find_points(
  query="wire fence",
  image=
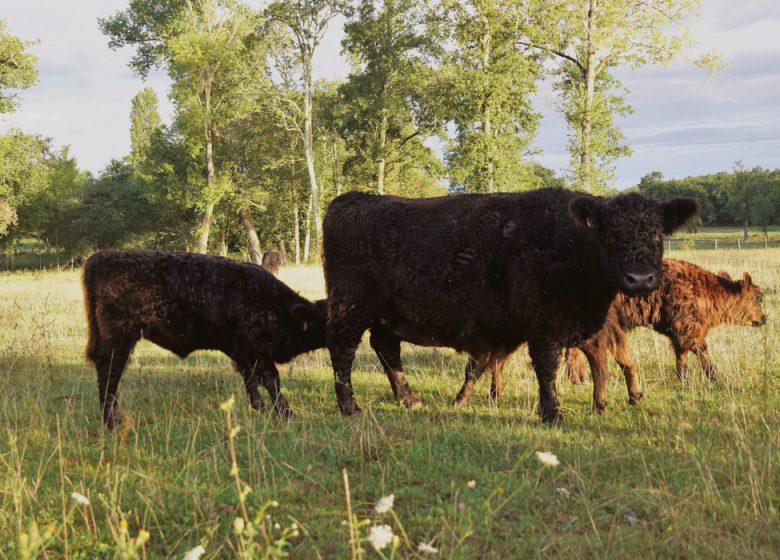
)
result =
(729, 244)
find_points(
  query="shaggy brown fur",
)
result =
(485, 273)
(185, 302)
(689, 302)
(272, 260)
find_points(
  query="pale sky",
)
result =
(681, 125)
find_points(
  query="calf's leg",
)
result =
(272, 384)
(576, 365)
(388, 350)
(110, 358)
(251, 376)
(497, 362)
(704, 360)
(475, 367)
(596, 354)
(621, 351)
(545, 356)
(681, 365)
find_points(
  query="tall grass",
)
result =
(692, 473)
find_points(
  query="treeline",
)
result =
(743, 197)
(256, 149)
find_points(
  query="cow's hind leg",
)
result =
(110, 358)
(545, 356)
(681, 359)
(704, 360)
(388, 350)
(272, 384)
(251, 375)
(475, 367)
(497, 362)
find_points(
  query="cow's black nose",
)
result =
(639, 281)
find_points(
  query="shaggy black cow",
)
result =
(485, 273)
(185, 302)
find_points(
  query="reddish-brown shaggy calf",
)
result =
(688, 303)
(185, 302)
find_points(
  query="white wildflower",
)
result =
(277, 526)
(385, 504)
(471, 484)
(80, 499)
(195, 553)
(425, 548)
(547, 458)
(563, 492)
(274, 504)
(380, 536)
(238, 525)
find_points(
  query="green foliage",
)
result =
(144, 123)
(486, 86)
(17, 68)
(23, 173)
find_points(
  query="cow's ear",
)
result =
(583, 210)
(746, 279)
(304, 315)
(679, 212)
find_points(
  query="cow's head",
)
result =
(310, 319)
(744, 308)
(630, 229)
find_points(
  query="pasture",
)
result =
(693, 472)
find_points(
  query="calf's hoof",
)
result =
(285, 414)
(599, 407)
(636, 398)
(112, 419)
(460, 400)
(412, 402)
(350, 409)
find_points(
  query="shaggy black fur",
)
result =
(485, 273)
(185, 302)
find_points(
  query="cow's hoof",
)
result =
(553, 418)
(636, 398)
(599, 407)
(459, 401)
(285, 414)
(112, 420)
(412, 403)
(351, 410)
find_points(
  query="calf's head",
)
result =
(309, 319)
(746, 303)
(629, 229)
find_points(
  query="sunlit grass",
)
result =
(692, 473)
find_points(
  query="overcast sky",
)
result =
(681, 125)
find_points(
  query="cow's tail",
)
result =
(89, 286)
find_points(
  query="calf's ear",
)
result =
(679, 212)
(583, 210)
(304, 315)
(746, 279)
(724, 274)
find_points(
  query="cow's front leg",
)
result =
(344, 330)
(388, 350)
(110, 361)
(545, 356)
(704, 360)
(251, 376)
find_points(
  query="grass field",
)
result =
(694, 472)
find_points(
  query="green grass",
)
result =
(694, 472)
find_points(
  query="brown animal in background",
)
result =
(689, 302)
(185, 302)
(272, 260)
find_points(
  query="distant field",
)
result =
(694, 472)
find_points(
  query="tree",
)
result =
(144, 123)
(23, 173)
(206, 48)
(590, 38)
(17, 68)
(487, 84)
(388, 93)
(307, 21)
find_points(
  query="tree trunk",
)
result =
(307, 242)
(223, 246)
(205, 223)
(295, 210)
(336, 176)
(586, 171)
(283, 250)
(745, 230)
(382, 158)
(487, 131)
(308, 144)
(255, 252)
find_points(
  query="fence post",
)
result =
(670, 246)
(716, 244)
(739, 245)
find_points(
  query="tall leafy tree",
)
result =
(145, 121)
(204, 46)
(389, 94)
(488, 80)
(17, 68)
(23, 173)
(306, 21)
(591, 38)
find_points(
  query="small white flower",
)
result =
(277, 526)
(294, 526)
(385, 504)
(425, 548)
(563, 492)
(195, 553)
(274, 504)
(380, 536)
(80, 499)
(471, 484)
(238, 525)
(547, 458)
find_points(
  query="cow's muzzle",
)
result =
(639, 282)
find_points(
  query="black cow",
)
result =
(185, 302)
(485, 273)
